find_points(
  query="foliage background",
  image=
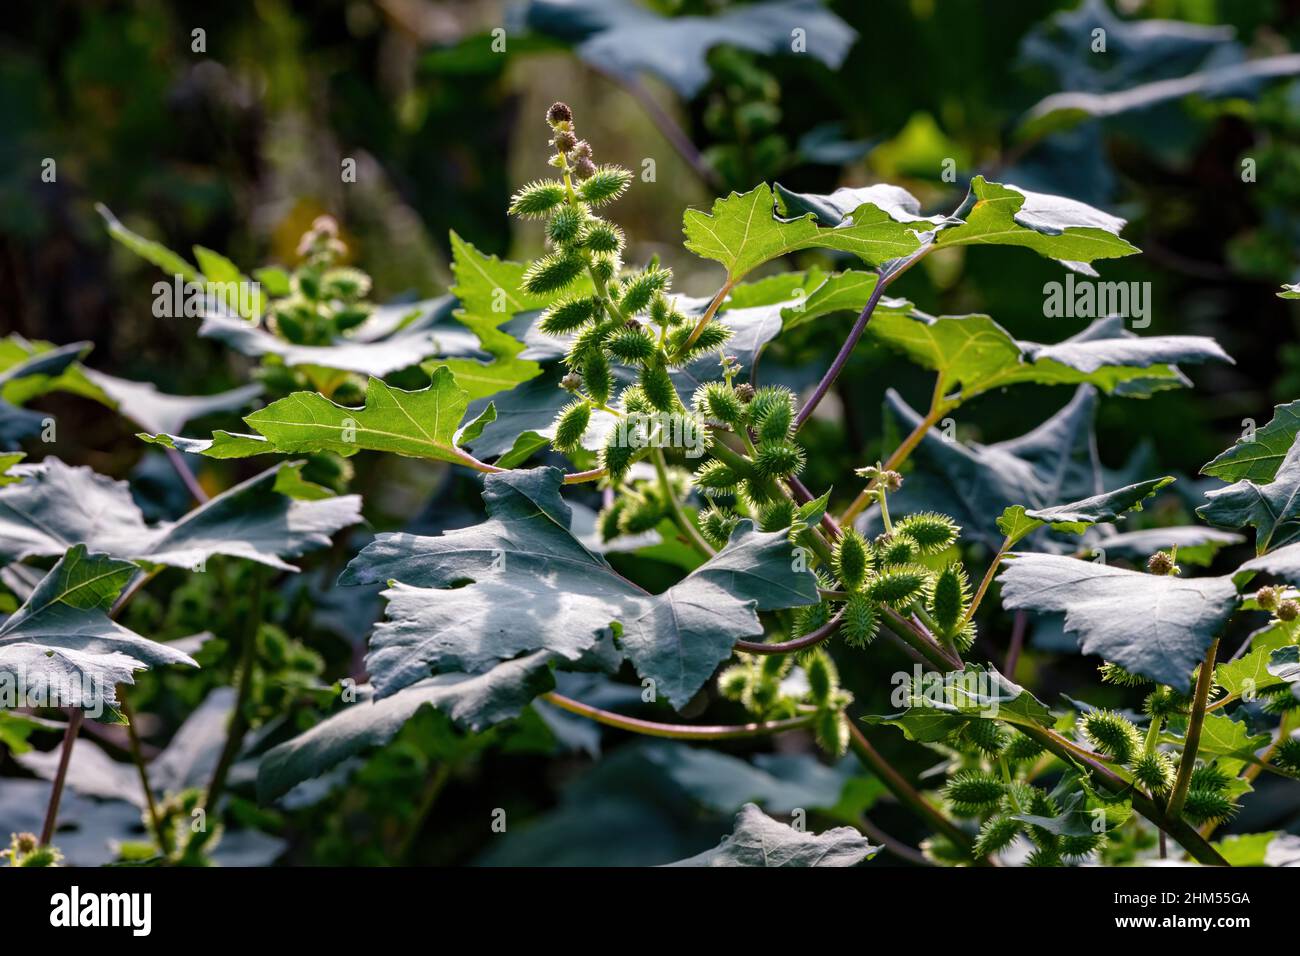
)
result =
(239, 149)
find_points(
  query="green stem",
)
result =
(133, 738)
(650, 728)
(986, 580)
(238, 720)
(437, 781)
(75, 717)
(680, 518)
(1187, 763)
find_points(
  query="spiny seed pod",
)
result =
(810, 617)
(898, 584)
(768, 400)
(1041, 803)
(632, 346)
(950, 599)
(851, 559)
(598, 378)
(569, 314)
(712, 338)
(971, 792)
(565, 226)
(571, 425)
(733, 683)
(987, 736)
(1162, 562)
(717, 400)
(776, 515)
(1288, 610)
(895, 549)
(1268, 598)
(1077, 846)
(715, 477)
(1287, 755)
(777, 459)
(1021, 749)
(633, 401)
(590, 339)
(1278, 700)
(931, 532)
(1209, 777)
(559, 113)
(657, 385)
(603, 184)
(964, 639)
(603, 237)
(1043, 857)
(616, 457)
(996, 835)
(861, 621)
(607, 520)
(822, 676)
(641, 515)
(1112, 734)
(552, 273)
(1208, 806)
(537, 199)
(1114, 674)
(716, 524)
(758, 490)
(1164, 703)
(638, 290)
(605, 266)
(831, 729)
(1155, 771)
(776, 424)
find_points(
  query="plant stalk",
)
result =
(75, 717)
(1192, 741)
(650, 728)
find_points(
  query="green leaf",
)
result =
(222, 444)
(1271, 508)
(418, 424)
(157, 411)
(1077, 516)
(1158, 626)
(57, 506)
(1053, 226)
(1245, 849)
(471, 703)
(63, 633)
(152, 252)
(1223, 737)
(1290, 291)
(975, 354)
(758, 840)
(1259, 457)
(1250, 673)
(29, 369)
(742, 233)
(534, 586)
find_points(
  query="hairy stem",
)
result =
(811, 639)
(708, 315)
(1187, 763)
(650, 728)
(680, 518)
(133, 737)
(986, 581)
(855, 333)
(238, 726)
(75, 717)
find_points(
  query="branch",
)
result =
(860, 326)
(1187, 763)
(650, 728)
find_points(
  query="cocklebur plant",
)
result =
(772, 593)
